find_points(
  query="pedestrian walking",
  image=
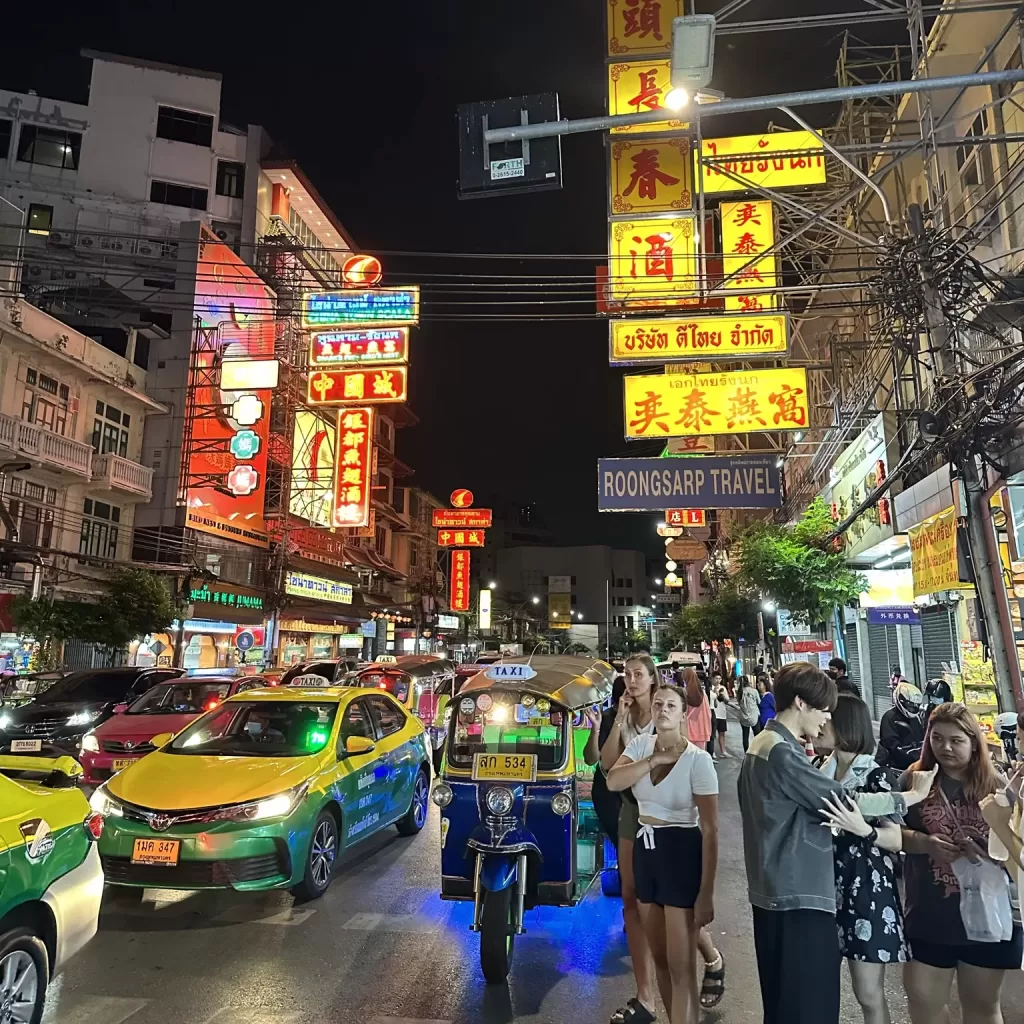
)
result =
(722, 719)
(844, 684)
(713, 686)
(869, 917)
(607, 805)
(750, 709)
(766, 705)
(940, 836)
(788, 854)
(676, 787)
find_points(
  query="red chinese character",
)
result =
(658, 260)
(649, 94)
(786, 402)
(643, 17)
(694, 413)
(747, 245)
(748, 212)
(647, 174)
(748, 273)
(743, 409)
(648, 411)
(750, 303)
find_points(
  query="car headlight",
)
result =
(561, 804)
(5, 720)
(278, 806)
(103, 803)
(82, 717)
(499, 800)
(90, 743)
(442, 794)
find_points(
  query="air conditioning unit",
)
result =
(61, 238)
(87, 241)
(146, 248)
(113, 244)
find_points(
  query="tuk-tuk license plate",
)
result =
(156, 851)
(519, 767)
(121, 762)
(26, 746)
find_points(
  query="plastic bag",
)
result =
(984, 900)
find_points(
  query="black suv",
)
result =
(333, 671)
(62, 715)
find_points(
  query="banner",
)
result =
(653, 262)
(757, 161)
(651, 176)
(353, 476)
(458, 599)
(734, 402)
(933, 555)
(743, 336)
(648, 485)
(748, 229)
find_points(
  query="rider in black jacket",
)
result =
(901, 731)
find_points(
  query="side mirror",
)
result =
(120, 709)
(161, 739)
(359, 745)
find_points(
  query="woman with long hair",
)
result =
(750, 708)
(943, 828)
(676, 788)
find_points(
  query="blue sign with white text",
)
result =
(702, 481)
(893, 616)
(363, 307)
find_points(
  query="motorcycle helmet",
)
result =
(937, 691)
(908, 699)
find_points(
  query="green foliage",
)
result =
(796, 566)
(629, 641)
(729, 615)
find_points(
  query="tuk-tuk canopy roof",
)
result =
(570, 681)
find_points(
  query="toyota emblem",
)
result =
(159, 822)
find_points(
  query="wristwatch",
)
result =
(872, 836)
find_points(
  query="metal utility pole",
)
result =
(943, 366)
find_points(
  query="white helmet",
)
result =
(908, 698)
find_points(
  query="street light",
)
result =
(657, 583)
(768, 606)
(579, 615)
(676, 99)
(536, 600)
(492, 585)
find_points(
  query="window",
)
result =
(32, 507)
(973, 161)
(355, 723)
(230, 179)
(169, 194)
(381, 542)
(45, 401)
(629, 584)
(110, 430)
(184, 126)
(40, 218)
(160, 283)
(618, 583)
(6, 131)
(99, 530)
(48, 148)
(390, 716)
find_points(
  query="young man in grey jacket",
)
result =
(787, 847)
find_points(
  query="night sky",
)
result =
(363, 95)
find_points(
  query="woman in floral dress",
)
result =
(868, 912)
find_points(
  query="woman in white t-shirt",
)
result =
(676, 854)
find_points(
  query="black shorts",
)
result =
(722, 724)
(668, 875)
(997, 956)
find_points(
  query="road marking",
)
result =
(94, 1010)
(289, 917)
(412, 923)
(405, 1020)
(242, 1015)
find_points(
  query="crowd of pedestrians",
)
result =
(898, 852)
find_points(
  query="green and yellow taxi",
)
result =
(51, 882)
(265, 791)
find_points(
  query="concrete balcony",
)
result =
(48, 450)
(112, 473)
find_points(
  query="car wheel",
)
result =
(416, 817)
(24, 973)
(323, 850)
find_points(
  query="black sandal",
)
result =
(712, 987)
(634, 1012)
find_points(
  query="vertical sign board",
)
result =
(641, 26)
(485, 608)
(748, 228)
(353, 478)
(311, 494)
(559, 602)
(458, 598)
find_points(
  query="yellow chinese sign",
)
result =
(641, 26)
(737, 402)
(640, 87)
(654, 261)
(776, 160)
(749, 229)
(651, 176)
(933, 559)
(744, 336)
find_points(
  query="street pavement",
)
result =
(381, 948)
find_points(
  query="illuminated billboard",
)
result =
(353, 477)
(225, 466)
(312, 487)
(362, 307)
(361, 385)
(352, 348)
(743, 336)
(746, 163)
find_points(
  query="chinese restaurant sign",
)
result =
(734, 402)
(654, 262)
(758, 162)
(460, 538)
(350, 348)
(933, 555)
(747, 230)
(694, 445)
(353, 474)
(377, 384)
(458, 599)
(462, 518)
(744, 336)
(651, 176)
(685, 517)
(640, 87)
(648, 485)
(641, 26)
(362, 307)
(300, 584)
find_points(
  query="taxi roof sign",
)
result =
(510, 673)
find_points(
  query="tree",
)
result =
(797, 566)
(730, 615)
(629, 641)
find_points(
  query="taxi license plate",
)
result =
(121, 762)
(156, 851)
(518, 767)
(26, 746)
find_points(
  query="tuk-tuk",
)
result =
(515, 832)
(423, 684)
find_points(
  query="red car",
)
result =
(166, 707)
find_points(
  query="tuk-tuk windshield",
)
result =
(508, 723)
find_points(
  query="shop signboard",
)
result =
(787, 625)
(353, 473)
(746, 163)
(641, 26)
(740, 336)
(933, 555)
(893, 616)
(694, 445)
(311, 493)
(647, 485)
(458, 599)
(666, 598)
(361, 385)
(664, 530)
(685, 517)
(887, 588)
(485, 608)
(559, 611)
(460, 538)
(559, 584)
(225, 596)
(368, 629)
(748, 229)
(653, 262)
(225, 467)
(353, 348)
(649, 176)
(449, 621)
(461, 518)
(640, 87)
(319, 588)
(350, 641)
(362, 307)
(686, 550)
(733, 402)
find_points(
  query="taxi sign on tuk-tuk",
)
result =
(386, 659)
(504, 673)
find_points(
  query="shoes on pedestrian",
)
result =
(634, 1012)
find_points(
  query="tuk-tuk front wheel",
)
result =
(497, 935)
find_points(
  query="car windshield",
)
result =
(263, 728)
(390, 680)
(501, 722)
(181, 698)
(89, 687)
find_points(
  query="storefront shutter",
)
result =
(853, 655)
(884, 654)
(938, 635)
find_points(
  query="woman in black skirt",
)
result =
(676, 852)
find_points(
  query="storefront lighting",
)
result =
(249, 374)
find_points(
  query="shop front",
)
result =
(321, 619)
(224, 630)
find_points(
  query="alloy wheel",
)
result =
(420, 796)
(322, 853)
(19, 988)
